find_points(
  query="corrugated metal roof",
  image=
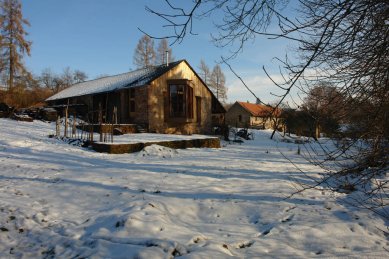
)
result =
(111, 83)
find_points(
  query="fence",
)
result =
(75, 128)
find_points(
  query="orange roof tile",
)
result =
(258, 110)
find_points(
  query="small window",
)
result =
(240, 118)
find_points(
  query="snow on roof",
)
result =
(111, 83)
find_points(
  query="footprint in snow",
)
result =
(328, 206)
(289, 208)
(255, 221)
(244, 244)
(266, 230)
(288, 218)
(198, 239)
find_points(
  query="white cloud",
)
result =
(262, 87)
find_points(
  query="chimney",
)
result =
(167, 58)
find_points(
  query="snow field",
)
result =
(63, 201)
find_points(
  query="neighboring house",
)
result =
(245, 114)
(169, 98)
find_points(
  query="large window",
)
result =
(181, 100)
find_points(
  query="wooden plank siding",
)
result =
(159, 116)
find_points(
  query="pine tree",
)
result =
(144, 55)
(13, 43)
(163, 47)
(217, 84)
(205, 73)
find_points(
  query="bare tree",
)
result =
(144, 55)
(58, 82)
(13, 42)
(67, 77)
(46, 79)
(325, 104)
(205, 72)
(344, 43)
(218, 83)
(79, 76)
(163, 47)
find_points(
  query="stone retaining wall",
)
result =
(136, 147)
(106, 128)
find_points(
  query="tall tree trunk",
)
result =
(11, 69)
(317, 131)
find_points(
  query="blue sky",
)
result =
(99, 37)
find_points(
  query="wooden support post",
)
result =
(100, 122)
(91, 128)
(115, 114)
(74, 131)
(115, 121)
(66, 122)
(91, 131)
(82, 131)
(58, 127)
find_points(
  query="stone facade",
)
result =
(241, 117)
(238, 117)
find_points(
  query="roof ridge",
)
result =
(113, 82)
(247, 105)
(139, 69)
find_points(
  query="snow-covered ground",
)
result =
(63, 201)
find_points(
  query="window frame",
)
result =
(184, 106)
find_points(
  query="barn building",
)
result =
(251, 115)
(169, 98)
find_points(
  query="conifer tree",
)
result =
(163, 47)
(205, 72)
(144, 55)
(13, 43)
(218, 83)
